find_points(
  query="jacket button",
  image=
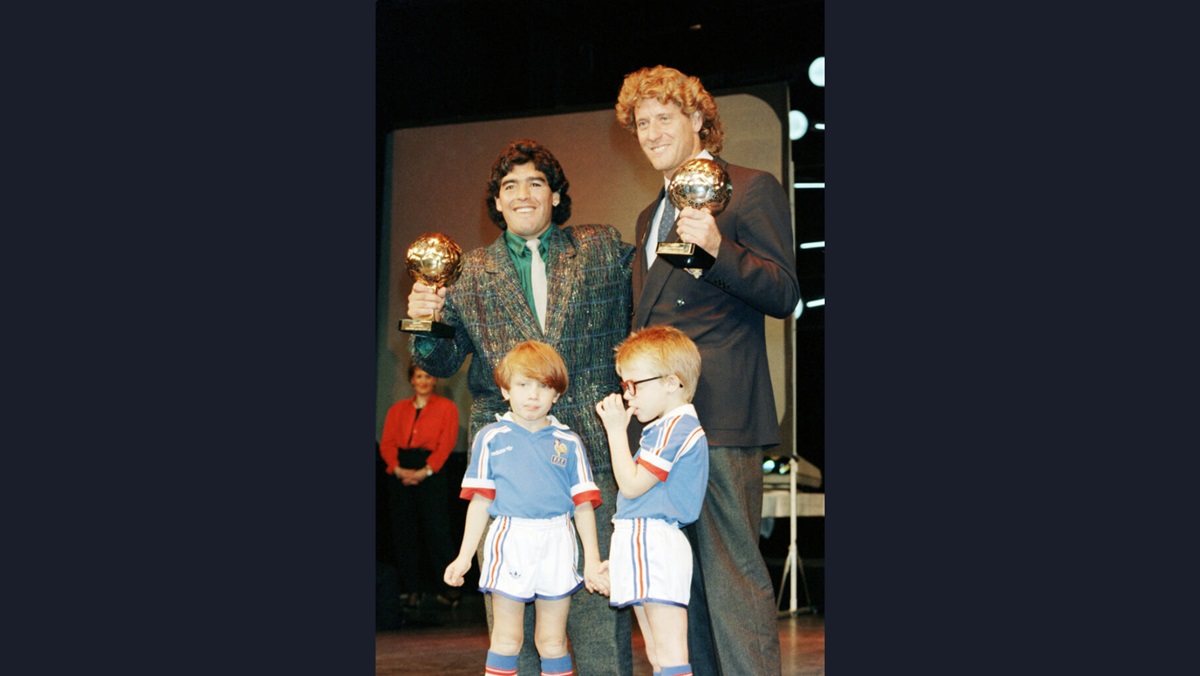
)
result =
(679, 301)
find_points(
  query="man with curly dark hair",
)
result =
(495, 304)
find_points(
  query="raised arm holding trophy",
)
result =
(436, 261)
(701, 184)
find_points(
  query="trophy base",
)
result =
(427, 327)
(684, 255)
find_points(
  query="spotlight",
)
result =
(816, 71)
(797, 124)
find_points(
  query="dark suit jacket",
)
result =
(723, 311)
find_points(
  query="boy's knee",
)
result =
(506, 645)
(551, 646)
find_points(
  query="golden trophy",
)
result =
(434, 260)
(700, 184)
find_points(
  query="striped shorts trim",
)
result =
(527, 559)
(649, 560)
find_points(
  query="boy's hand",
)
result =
(613, 413)
(455, 572)
(595, 578)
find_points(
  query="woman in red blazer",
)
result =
(418, 436)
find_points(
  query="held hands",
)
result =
(410, 477)
(424, 302)
(455, 572)
(698, 227)
(595, 578)
(613, 414)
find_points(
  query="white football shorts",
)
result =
(649, 560)
(524, 559)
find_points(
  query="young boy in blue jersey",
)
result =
(530, 472)
(661, 488)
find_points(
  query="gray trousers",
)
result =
(599, 634)
(741, 636)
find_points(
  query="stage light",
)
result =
(820, 302)
(768, 465)
(813, 245)
(808, 185)
(797, 125)
(816, 71)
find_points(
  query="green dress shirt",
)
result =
(521, 257)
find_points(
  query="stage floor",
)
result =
(436, 639)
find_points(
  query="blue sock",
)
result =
(500, 664)
(680, 670)
(556, 666)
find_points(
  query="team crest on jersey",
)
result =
(560, 453)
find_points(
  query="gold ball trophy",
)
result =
(433, 260)
(699, 183)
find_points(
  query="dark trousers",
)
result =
(421, 532)
(733, 629)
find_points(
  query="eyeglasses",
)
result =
(630, 386)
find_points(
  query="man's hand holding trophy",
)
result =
(435, 261)
(700, 184)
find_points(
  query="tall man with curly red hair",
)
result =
(732, 625)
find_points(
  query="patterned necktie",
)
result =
(667, 222)
(537, 276)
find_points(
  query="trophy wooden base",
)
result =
(427, 327)
(684, 255)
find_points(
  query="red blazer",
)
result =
(436, 430)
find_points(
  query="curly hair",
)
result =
(523, 151)
(668, 85)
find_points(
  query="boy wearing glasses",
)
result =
(530, 472)
(661, 488)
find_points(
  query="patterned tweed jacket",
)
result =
(589, 300)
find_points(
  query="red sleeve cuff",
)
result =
(588, 496)
(467, 493)
(656, 471)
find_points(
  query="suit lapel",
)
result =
(563, 277)
(506, 288)
(649, 281)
